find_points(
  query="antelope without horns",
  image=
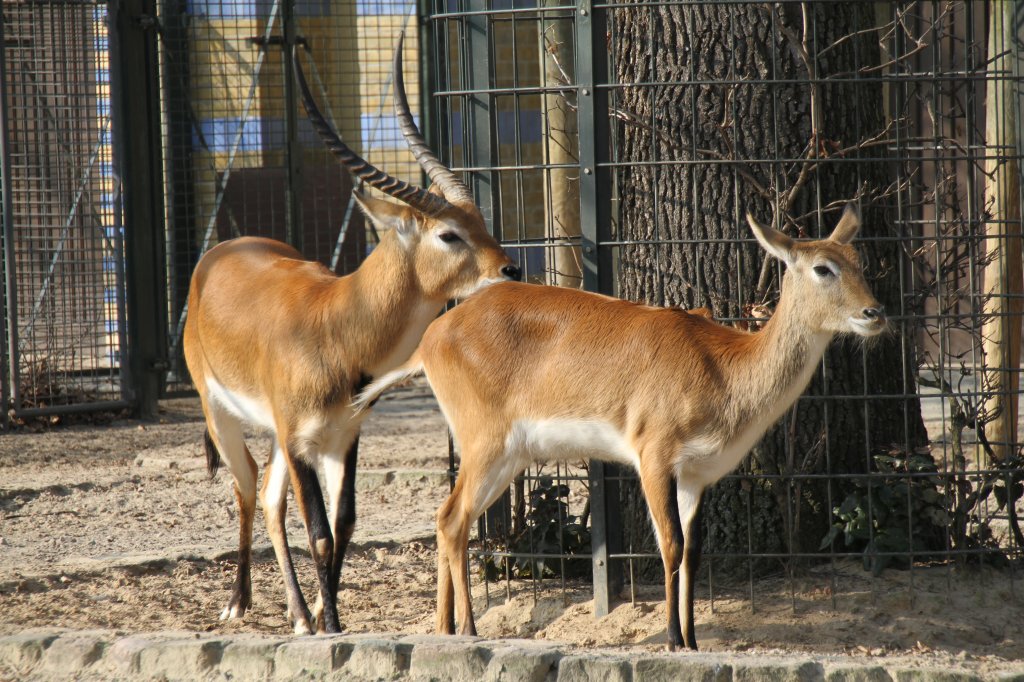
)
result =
(283, 344)
(526, 373)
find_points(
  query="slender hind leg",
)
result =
(225, 432)
(476, 489)
(445, 587)
(274, 496)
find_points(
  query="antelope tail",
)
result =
(396, 377)
(212, 455)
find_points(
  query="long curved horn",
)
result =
(417, 197)
(450, 184)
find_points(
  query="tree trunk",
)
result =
(562, 188)
(756, 122)
(1003, 279)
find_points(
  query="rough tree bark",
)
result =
(758, 121)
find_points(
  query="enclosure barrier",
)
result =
(611, 146)
(616, 147)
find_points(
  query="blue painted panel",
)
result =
(219, 134)
(227, 9)
(530, 127)
(371, 8)
(253, 9)
(382, 133)
(513, 4)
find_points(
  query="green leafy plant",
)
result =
(898, 509)
(549, 528)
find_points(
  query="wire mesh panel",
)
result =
(233, 165)
(507, 116)
(619, 146)
(63, 260)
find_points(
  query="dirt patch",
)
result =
(118, 526)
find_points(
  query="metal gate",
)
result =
(240, 157)
(137, 135)
(64, 303)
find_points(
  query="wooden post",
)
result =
(562, 187)
(1003, 286)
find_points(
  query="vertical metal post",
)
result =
(7, 338)
(595, 224)
(293, 153)
(428, 80)
(179, 165)
(135, 107)
(482, 144)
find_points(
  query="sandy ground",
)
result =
(117, 526)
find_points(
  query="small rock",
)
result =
(141, 427)
(64, 579)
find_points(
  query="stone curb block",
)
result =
(22, 651)
(781, 671)
(594, 668)
(74, 651)
(310, 657)
(375, 657)
(181, 659)
(101, 655)
(667, 668)
(856, 673)
(249, 658)
(524, 660)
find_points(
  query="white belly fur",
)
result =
(328, 433)
(251, 410)
(568, 439)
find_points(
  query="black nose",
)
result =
(512, 272)
(874, 313)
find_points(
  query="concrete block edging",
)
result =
(103, 655)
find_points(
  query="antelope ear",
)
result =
(849, 225)
(773, 241)
(387, 215)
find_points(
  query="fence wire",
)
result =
(64, 297)
(618, 146)
(231, 168)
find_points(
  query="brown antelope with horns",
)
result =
(525, 373)
(283, 344)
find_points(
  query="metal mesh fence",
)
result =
(617, 146)
(64, 302)
(240, 155)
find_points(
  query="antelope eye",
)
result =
(823, 271)
(449, 237)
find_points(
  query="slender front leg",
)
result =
(274, 495)
(690, 500)
(340, 480)
(321, 544)
(344, 522)
(659, 488)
